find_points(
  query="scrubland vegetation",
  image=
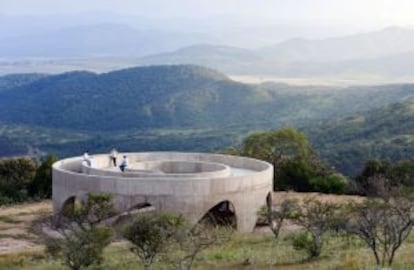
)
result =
(258, 250)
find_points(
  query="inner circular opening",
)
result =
(176, 167)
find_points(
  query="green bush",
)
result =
(41, 186)
(15, 178)
(333, 183)
(303, 241)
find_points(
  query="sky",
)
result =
(369, 12)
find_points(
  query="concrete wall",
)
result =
(190, 196)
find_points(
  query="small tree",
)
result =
(316, 218)
(383, 225)
(83, 237)
(15, 178)
(372, 169)
(151, 235)
(193, 240)
(278, 214)
(80, 248)
(41, 186)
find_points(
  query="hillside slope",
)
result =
(179, 97)
(16, 80)
(383, 133)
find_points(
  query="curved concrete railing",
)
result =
(161, 168)
(190, 193)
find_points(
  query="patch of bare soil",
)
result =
(16, 223)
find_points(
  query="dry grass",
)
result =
(280, 196)
(255, 251)
(16, 226)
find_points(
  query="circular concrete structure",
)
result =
(191, 184)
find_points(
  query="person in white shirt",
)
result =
(124, 163)
(113, 156)
(87, 158)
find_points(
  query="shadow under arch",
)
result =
(269, 200)
(264, 213)
(66, 211)
(222, 214)
(127, 216)
(142, 206)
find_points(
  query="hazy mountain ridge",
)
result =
(392, 40)
(386, 55)
(383, 53)
(179, 96)
(97, 41)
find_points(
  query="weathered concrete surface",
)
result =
(184, 183)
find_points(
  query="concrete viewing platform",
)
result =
(192, 184)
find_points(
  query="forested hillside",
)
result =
(382, 133)
(15, 80)
(193, 108)
(179, 97)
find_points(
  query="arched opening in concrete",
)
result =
(269, 200)
(264, 212)
(143, 206)
(222, 214)
(68, 207)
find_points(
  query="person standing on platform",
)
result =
(113, 156)
(87, 158)
(124, 163)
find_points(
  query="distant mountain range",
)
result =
(385, 53)
(388, 53)
(102, 40)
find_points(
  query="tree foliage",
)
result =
(83, 236)
(41, 186)
(295, 163)
(151, 234)
(382, 178)
(15, 178)
(276, 146)
(316, 218)
(334, 183)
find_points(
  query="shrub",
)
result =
(15, 177)
(334, 183)
(41, 186)
(303, 241)
(316, 218)
(83, 237)
(151, 235)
